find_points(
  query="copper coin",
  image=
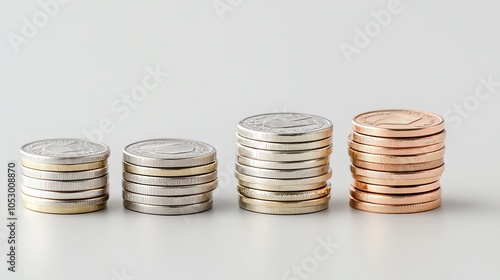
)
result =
(399, 142)
(395, 189)
(398, 123)
(398, 199)
(397, 175)
(393, 151)
(394, 209)
(397, 167)
(385, 159)
(404, 182)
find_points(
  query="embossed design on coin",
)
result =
(64, 151)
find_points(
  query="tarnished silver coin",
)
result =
(169, 153)
(285, 127)
(64, 151)
(64, 176)
(168, 210)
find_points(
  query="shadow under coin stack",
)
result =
(397, 160)
(169, 176)
(64, 176)
(283, 163)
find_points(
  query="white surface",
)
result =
(264, 56)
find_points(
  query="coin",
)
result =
(284, 155)
(64, 167)
(170, 181)
(284, 204)
(65, 195)
(169, 172)
(169, 190)
(394, 151)
(404, 182)
(284, 146)
(394, 209)
(284, 196)
(283, 182)
(398, 167)
(168, 210)
(166, 200)
(285, 127)
(398, 123)
(282, 174)
(64, 186)
(64, 151)
(64, 209)
(64, 176)
(400, 199)
(385, 159)
(283, 211)
(169, 153)
(399, 142)
(284, 188)
(397, 175)
(282, 165)
(64, 203)
(395, 190)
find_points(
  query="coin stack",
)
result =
(64, 176)
(397, 160)
(169, 176)
(283, 163)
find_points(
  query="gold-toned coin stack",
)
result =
(397, 160)
(64, 176)
(283, 163)
(169, 176)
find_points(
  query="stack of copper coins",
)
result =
(283, 163)
(397, 161)
(169, 176)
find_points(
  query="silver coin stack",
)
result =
(282, 164)
(64, 176)
(169, 176)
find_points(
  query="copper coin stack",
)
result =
(397, 160)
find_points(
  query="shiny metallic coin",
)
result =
(283, 182)
(65, 167)
(413, 167)
(166, 200)
(169, 190)
(384, 159)
(408, 142)
(397, 175)
(282, 174)
(395, 189)
(65, 209)
(170, 181)
(64, 176)
(284, 196)
(394, 151)
(398, 199)
(283, 211)
(64, 203)
(284, 188)
(394, 209)
(169, 172)
(64, 186)
(396, 182)
(65, 195)
(274, 146)
(284, 204)
(283, 165)
(168, 210)
(284, 155)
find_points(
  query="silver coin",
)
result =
(166, 200)
(284, 196)
(283, 211)
(64, 176)
(284, 146)
(284, 182)
(168, 210)
(65, 195)
(64, 151)
(282, 174)
(64, 203)
(282, 165)
(169, 153)
(284, 155)
(169, 190)
(285, 127)
(284, 188)
(64, 186)
(170, 181)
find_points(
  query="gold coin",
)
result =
(283, 211)
(284, 188)
(64, 209)
(169, 172)
(398, 123)
(399, 142)
(284, 196)
(398, 167)
(405, 182)
(397, 175)
(394, 209)
(64, 167)
(385, 159)
(393, 151)
(285, 204)
(398, 199)
(395, 189)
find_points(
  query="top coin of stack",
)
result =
(397, 160)
(169, 176)
(283, 163)
(64, 176)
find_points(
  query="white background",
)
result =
(255, 57)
